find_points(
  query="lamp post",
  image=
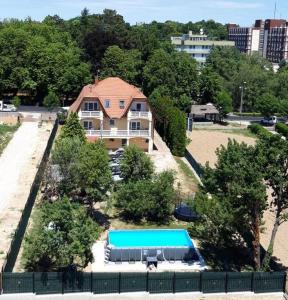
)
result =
(242, 88)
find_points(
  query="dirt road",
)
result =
(18, 165)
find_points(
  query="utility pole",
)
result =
(242, 87)
(275, 8)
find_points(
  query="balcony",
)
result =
(118, 133)
(139, 115)
(91, 114)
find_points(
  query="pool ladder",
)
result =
(107, 255)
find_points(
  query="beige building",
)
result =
(198, 45)
(116, 112)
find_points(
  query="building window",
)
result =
(135, 125)
(122, 104)
(87, 125)
(138, 106)
(91, 106)
(107, 103)
(112, 122)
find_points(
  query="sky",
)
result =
(242, 12)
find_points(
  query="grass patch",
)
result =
(186, 170)
(6, 133)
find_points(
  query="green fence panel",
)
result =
(269, 282)
(213, 282)
(133, 282)
(76, 282)
(17, 283)
(104, 283)
(48, 283)
(160, 282)
(187, 282)
(239, 282)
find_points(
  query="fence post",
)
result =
(252, 282)
(91, 284)
(226, 282)
(62, 279)
(147, 281)
(285, 283)
(33, 282)
(174, 279)
(119, 283)
(1, 274)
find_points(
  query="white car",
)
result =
(9, 107)
(269, 121)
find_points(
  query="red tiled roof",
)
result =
(113, 89)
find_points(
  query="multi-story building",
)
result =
(198, 45)
(269, 38)
(116, 112)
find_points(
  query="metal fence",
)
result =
(195, 165)
(21, 228)
(165, 282)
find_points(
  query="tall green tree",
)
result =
(275, 156)
(136, 165)
(62, 235)
(73, 128)
(51, 101)
(241, 195)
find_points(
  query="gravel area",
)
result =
(18, 165)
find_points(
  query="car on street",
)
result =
(269, 121)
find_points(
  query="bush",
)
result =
(16, 101)
(73, 128)
(282, 129)
(259, 130)
(136, 165)
(150, 199)
(51, 101)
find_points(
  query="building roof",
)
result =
(113, 89)
(204, 109)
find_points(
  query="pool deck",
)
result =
(98, 264)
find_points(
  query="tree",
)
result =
(268, 105)
(73, 128)
(135, 165)
(131, 199)
(120, 63)
(224, 103)
(241, 195)
(65, 154)
(62, 235)
(275, 155)
(51, 101)
(160, 204)
(94, 173)
(16, 101)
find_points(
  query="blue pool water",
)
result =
(150, 238)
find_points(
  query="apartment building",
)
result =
(116, 112)
(198, 45)
(269, 38)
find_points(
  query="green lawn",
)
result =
(6, 133)
(186, 170)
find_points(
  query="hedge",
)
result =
(282, 129)
(259, 130)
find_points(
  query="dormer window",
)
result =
(122, 104)
(107, 103)
(91, 106)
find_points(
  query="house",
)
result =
(207, 112)
(116, 112)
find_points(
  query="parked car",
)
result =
(269, 121)
(9, 107)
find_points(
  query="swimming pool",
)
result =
(149, 238)
(161, 244)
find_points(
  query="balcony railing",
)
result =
(118, 133)
(139, 114)
(91, 114)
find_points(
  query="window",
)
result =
(124, 142)
(112, 122)
(87, 125)
(107, 103)
(91, 106)
(122, 104)
(138, 106)
(135, 125)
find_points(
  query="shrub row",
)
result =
(259, 130)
